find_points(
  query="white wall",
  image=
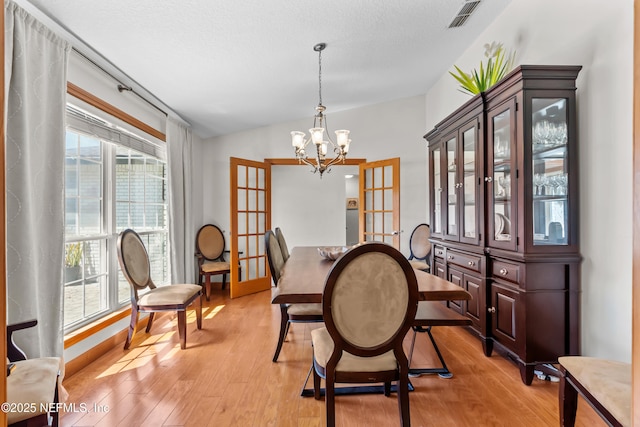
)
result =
(391, 129)
(597, 35)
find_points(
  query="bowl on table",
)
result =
(332, 252)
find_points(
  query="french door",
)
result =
(250, 218)
(380, 202)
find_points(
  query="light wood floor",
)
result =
(225, 377)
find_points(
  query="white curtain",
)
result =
(181, 233)
(36, 81)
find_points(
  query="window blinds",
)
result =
(85, 122)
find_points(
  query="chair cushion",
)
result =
(323, 347)
(607, 380)
(169, 295)
(32, 382)
(305, 309)
(215, 267)
(419, 265)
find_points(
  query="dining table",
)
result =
(302, 281)
(303, 276)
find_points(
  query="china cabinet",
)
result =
(503, 179)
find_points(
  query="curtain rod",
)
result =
(121, 86)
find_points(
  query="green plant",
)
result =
(73, 254)
(499, 63)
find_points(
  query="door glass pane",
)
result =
(388, 200)
(452, 227)
(437, 185)
(377, 223)
(242, 176)
(377, 200)
(261, 178)
(502, 182)
(242, 200)
(550, 174)
(388, 222)
(368, 200)
(252, 180)
(253, 200)
(377, 177)
(469, 182)
(388, 176)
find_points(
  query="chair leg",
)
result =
(224, 281)
(182, 328)
(316, 383)
(403, 396)
(284, 326)
(207, 286)
(149, 322)
(330, 399)
(568, 402)
(413, 342)
(387, 388)
(132, 326)
(199, 312)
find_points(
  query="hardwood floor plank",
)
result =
(225, 377)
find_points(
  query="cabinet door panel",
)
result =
(451, 188)
(436, 196)
(504, 308)
(440, 270)
(455, 277)
(474, 306)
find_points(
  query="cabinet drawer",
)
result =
(468, 261)
(506, 271)
(438, 251)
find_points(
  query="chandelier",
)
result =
(318, 132)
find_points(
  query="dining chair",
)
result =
(369, 303)
(32, 384)
(420, 247)
(289, 313)
(146, 297)
(283, 244)
(210, 246)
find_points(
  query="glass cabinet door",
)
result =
(436, 182)
(502, 190)
(468, 190)
(452, 188)
(550, 182)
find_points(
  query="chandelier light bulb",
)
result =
(317, 135)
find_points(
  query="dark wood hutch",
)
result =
(503, 179)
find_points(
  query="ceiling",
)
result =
(228, 66)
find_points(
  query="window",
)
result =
(109, 187)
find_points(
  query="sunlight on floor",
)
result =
(156, 345)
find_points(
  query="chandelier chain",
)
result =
(320, 77)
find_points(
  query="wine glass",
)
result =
(538, 182)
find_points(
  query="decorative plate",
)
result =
(332, 252)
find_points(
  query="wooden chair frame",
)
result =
(286, 318)
(401, 374)
(203, 256)
(179, 308)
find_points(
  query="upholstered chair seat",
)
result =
(323, 348)
(605, 385)
(215, 267)
(419, 265)
(167, 295)
(304, 309)
(32, 382)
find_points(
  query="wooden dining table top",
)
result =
(303, 276)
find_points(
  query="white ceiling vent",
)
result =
(465, 12)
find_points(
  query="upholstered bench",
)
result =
(604, 384)
(429, 314)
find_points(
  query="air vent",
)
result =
(465, 12)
